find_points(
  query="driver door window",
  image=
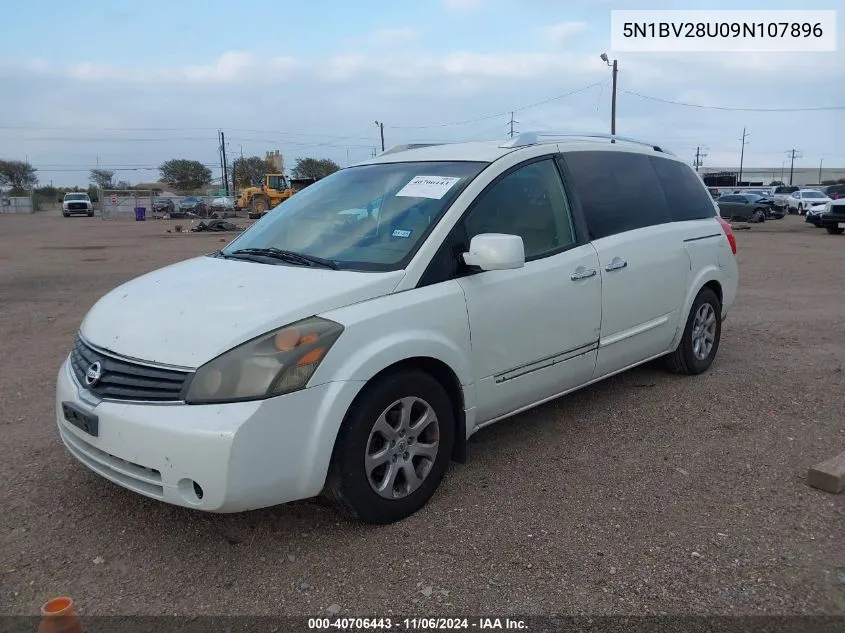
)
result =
(529, 202)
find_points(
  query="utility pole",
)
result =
(821, 162)
(220, 153)
(615, 68)
(741, 157)
(511, 124)
(793, 154)
(699, 156)
(225, 162)
(381, 130)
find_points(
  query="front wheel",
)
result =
(759, 216)
(393, 448)
(700, 341)
(834, 230)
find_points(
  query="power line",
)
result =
(707, 107)
(494, 116)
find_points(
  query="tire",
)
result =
(67, 215)
(90, 214)
(349, 485)
(800, 209)
(260, 205)
(833, 230)
(759, 215)
(684, 359)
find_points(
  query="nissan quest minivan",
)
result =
(349, 343)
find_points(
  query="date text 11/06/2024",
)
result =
(416, 624)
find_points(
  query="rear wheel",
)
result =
(700, 341)
(393, 448)
(834, 230)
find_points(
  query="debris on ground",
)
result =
(216, 226)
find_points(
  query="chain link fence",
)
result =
(121, 204)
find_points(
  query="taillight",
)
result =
(729, 233)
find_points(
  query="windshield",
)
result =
(812, 194)
(76, 196)
(370, 217)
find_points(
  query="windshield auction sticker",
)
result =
(723, 31)
(434, 187)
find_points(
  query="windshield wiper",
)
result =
(290, 257)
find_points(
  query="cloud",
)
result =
(462, 5)
(390, 37)
(563, 32)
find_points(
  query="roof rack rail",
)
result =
(532, 138)
(408, 146)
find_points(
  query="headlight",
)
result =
(273, 364)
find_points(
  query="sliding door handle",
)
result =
(582, 273)
(616, 264)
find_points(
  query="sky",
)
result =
(127, 84)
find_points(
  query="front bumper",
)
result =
(242, 456)
(832, 220)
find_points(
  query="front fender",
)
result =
(429, 322)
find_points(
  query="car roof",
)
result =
(490, 151)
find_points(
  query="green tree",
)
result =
(93, 193)
(17, 174)
(314, 168)
(250, 171)
(185, 175)
(103, 178)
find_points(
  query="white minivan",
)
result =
(351, 341)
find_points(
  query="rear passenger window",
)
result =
(687, 197)
(619, 191)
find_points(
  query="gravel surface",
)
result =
(646, 493)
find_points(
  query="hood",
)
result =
(188, 313)
(817, 201)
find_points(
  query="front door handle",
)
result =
(616, 264)
(582, 273)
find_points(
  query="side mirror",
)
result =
(496, 251)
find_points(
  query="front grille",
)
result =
(127, 380)
(77, 206)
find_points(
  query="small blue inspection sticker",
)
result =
(401, 233)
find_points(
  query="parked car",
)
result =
(222, 205)
(77, 204)
(193, 205)
(805, 199)
(743, 207)
(834, 192)
(354, 355)
(833, 217)
(163, 205)
(782, 193)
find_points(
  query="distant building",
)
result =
(277, 160)
(762, 176)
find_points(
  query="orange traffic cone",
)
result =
(59, 616)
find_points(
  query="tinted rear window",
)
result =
(687, 197)
(618, 191)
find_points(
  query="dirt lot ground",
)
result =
(648, 493)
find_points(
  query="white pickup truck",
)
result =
(77, 203)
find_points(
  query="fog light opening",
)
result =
(190, 490)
